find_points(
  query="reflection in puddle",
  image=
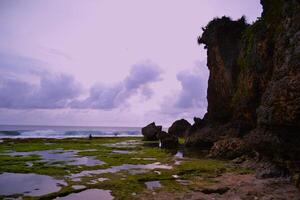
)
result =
(122, 151)
(183, 182)
(137, 171)
(152, 185)
(28, 184)
(61, 156)
(124, 144)
(29, 164)
(78, 187)
(177, 162)
(179, 154)
(102, 179)
(114, 169)
(91, 194)
(76, 180)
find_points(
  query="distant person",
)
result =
(90, 136)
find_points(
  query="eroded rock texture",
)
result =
(254, 83)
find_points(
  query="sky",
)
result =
(106, 62)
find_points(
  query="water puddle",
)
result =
(28, 184)
(76, 179)
(137, 171)
(151, 185)
(52, 156)
(124, 144)
(179, 154)
(177, 162)
(102, 179)
(29, 164)
(183, 182)
(115, 169)
(78, 187)
(91, 194)
(122, 151)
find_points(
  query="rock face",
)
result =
(151, 131)
(229, 148)
(254, 84)
(180, 128)
(167, 140)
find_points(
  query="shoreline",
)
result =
(127, 168)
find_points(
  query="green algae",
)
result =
(199, 172)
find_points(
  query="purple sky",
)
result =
(106, 62)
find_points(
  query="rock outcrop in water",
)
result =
(254, 85)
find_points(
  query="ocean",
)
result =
(22, 131)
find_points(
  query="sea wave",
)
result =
(68, 133)
(9, 133)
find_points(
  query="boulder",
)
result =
(151, 131)
(167, 140)
(179, 128)
(229, 148)
(198, 124)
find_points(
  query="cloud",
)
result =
(191, 99)
(52, 91)
(56, 52)
(112, 96)
(25, 85)
(193, 89)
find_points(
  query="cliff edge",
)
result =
(254, 85)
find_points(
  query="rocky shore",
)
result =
(253, 94)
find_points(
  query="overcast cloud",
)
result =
(106, 62)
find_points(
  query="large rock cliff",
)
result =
(254, 83)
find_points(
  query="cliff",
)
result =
(254, 85)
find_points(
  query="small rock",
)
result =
(221, 190)
(175, 176)
(157, 172)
